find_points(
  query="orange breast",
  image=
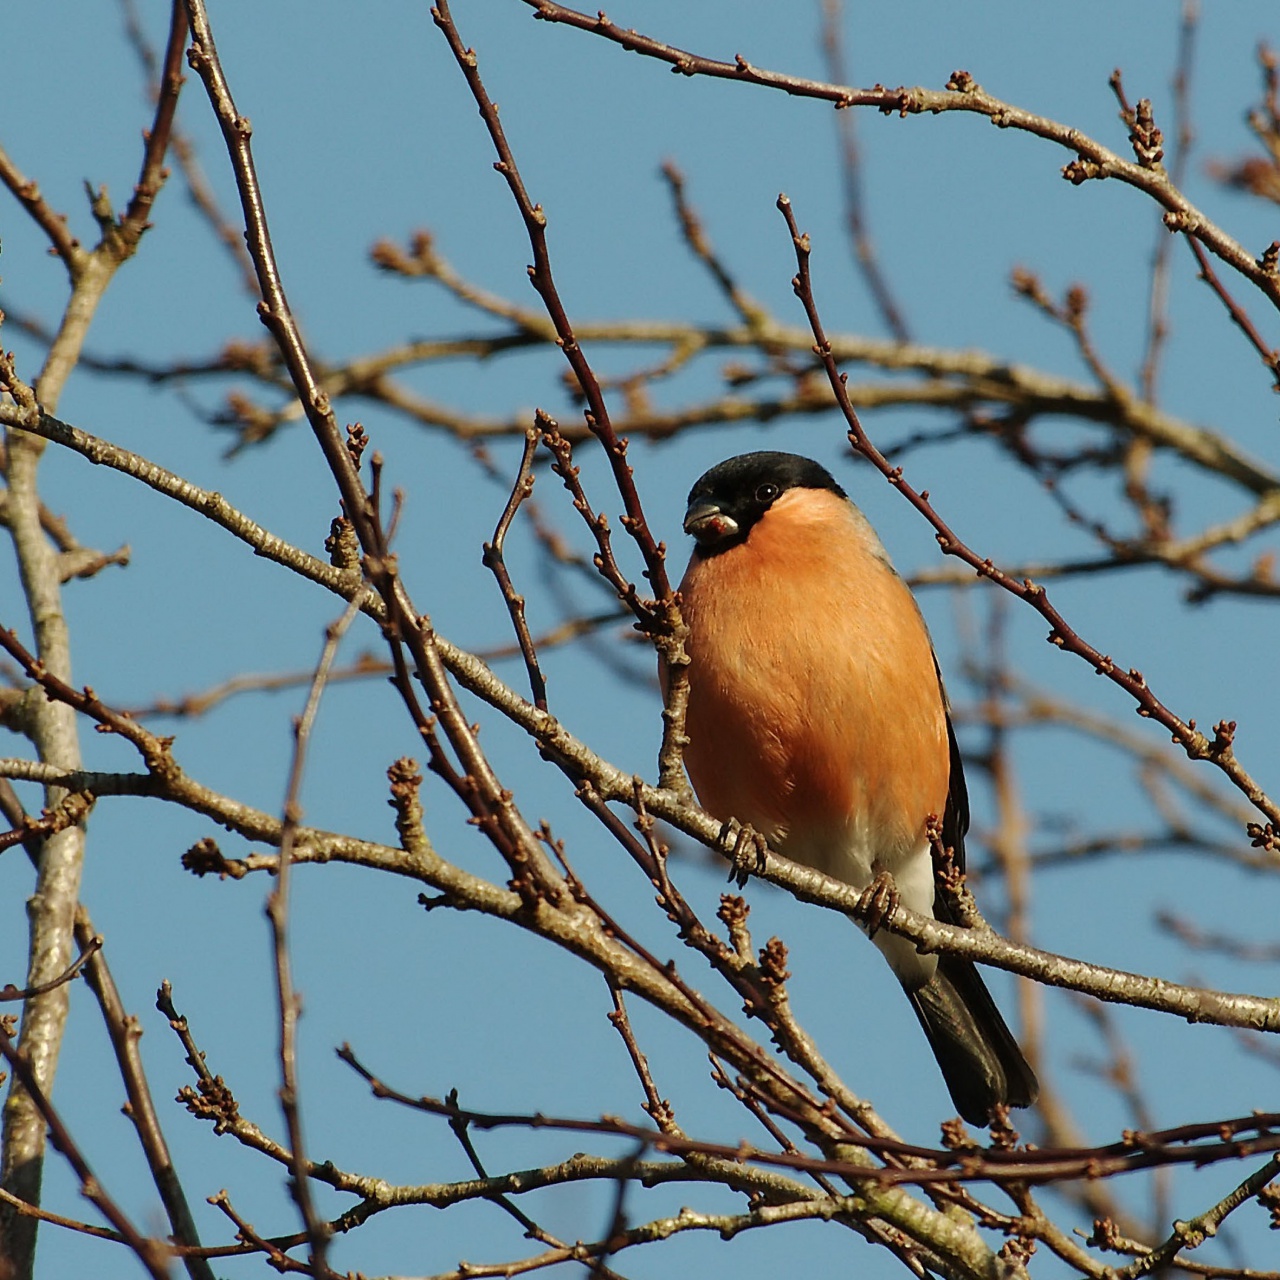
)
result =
(815, 711)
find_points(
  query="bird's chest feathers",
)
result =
(814, 701)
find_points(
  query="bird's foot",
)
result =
(878, 902)
(746, 848)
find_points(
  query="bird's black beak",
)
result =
(706, 522)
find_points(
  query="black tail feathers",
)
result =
(980, 1060)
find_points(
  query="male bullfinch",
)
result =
(817, 715)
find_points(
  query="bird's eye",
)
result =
(767, 492)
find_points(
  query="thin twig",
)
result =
(89, 947)
(1270, 356)
(495, 562)
(1184, 136)
(749, 310)
(1192, 1234)
(277, 909)
(460, 1128)
(28, 194)
(855, 214)
(1197, 1144)
(125, 1031)
(540, 275)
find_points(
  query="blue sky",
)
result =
(363, 129)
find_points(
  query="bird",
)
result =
(817, 717)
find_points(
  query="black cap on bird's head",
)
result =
(734, 494)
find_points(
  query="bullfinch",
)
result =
(817, 716)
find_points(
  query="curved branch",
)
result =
(1094, 161)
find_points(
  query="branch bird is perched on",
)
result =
(817, 715)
